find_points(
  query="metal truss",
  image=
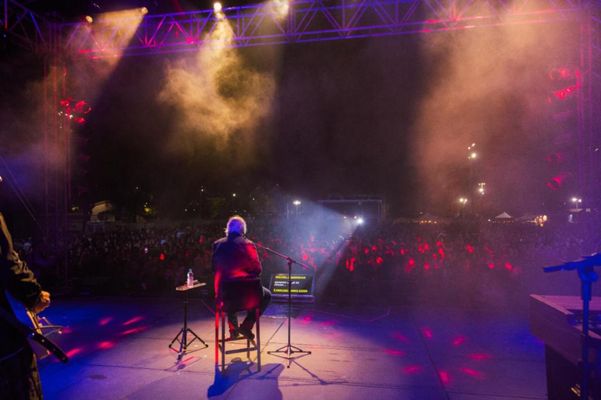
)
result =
(590, 118)
(313, 20)
(24, 27)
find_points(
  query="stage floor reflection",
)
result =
(119, 350)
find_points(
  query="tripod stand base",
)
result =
(182, 339)
(287, 352)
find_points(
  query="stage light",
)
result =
(281, 7)
(473, 155)
(143, 10)
(359, 220)
(89, 19)
(463, 201)
(297, 202)
(217, 7)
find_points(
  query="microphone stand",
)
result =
(587, 276)
(288, 350)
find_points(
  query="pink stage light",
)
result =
(473, 373)
(480, 356)
(444, 377)
(74, 351)
(427, 332)
(394, 352)
(413, 369)
(105, 345)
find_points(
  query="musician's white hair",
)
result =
(236, 224)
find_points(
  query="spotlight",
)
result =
(89, 19)
(281, 7)
(297, 202)
(359, 220)
(217, 7)
(143, 10)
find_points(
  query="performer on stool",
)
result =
(19, 377)
(236, 258)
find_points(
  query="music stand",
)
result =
(587, 275)
(183, 341)
(288, 350)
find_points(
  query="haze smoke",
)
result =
(487, 87)
(216, 96)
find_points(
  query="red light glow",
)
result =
(133, 331)
(410, 265)
(105, 345)
(427, 332)
(73, 352)
(350, 264)
(458, 341)
(480, 356)
(472, 372)
(413, 369)
(133, 320)
(444, 377)
(394, 352)
(400, 337)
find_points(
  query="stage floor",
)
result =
(119, 350)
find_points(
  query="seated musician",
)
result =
(236, 258)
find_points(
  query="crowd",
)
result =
(388, 261)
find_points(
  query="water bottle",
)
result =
(190, 278)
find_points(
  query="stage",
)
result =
(119, 350)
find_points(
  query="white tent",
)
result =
(504, 216)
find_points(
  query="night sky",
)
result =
(389, 117)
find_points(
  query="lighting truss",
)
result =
(314, 20)
(24, 27)
(589, 106)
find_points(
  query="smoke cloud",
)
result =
(486, 87)
(217, 96)
(27, 135)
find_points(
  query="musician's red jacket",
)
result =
(234, 258)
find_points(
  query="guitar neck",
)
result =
(33, 334)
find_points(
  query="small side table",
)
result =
(182, 335)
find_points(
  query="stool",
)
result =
(243, 295)
(183, 341)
